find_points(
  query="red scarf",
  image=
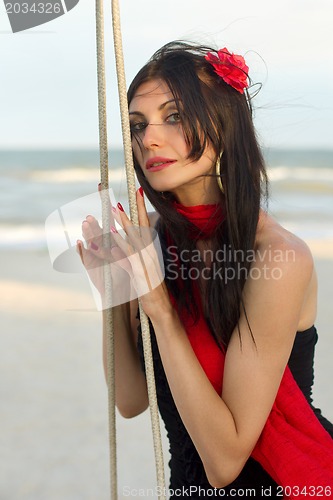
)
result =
(294, 448)
(204, 217)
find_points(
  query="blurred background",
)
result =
(54, 441)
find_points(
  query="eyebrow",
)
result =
(160, 108)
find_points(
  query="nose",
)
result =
(153, 136)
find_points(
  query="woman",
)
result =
(237, 285)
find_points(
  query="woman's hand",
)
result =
(144, 263)
(135, 259)
(95, 256)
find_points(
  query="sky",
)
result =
(48, 83)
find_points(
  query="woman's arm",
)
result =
(131, 388)
(225, 429)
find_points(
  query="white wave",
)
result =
(306, 231)
(28, 236)
(73, 175)
(22, 236)
(282, 173)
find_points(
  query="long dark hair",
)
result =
(225, 121)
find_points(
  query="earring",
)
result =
(218, 172)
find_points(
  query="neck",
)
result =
(198, 193)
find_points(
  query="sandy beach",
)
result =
(54, 439)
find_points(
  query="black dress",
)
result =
(188, 478)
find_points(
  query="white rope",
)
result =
(108, 316)
(155, 422)
(109, 326)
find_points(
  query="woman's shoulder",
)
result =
(283, 272)
(275, 243)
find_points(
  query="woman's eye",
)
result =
(138, 126)
(174, 118)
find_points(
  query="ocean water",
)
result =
(34, 184)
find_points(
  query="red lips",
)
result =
(158, 162)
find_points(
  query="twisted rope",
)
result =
(155, 422)
(108, 316)
(109, 326)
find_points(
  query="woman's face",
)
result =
(160, 147)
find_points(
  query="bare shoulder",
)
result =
(275, 244)
(281, 288)
(283, 272)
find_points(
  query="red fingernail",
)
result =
(141, 191)
(119, 205)
(113, 229)
(80, 250)
(94, 246)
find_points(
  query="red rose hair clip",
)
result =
(230, 67)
